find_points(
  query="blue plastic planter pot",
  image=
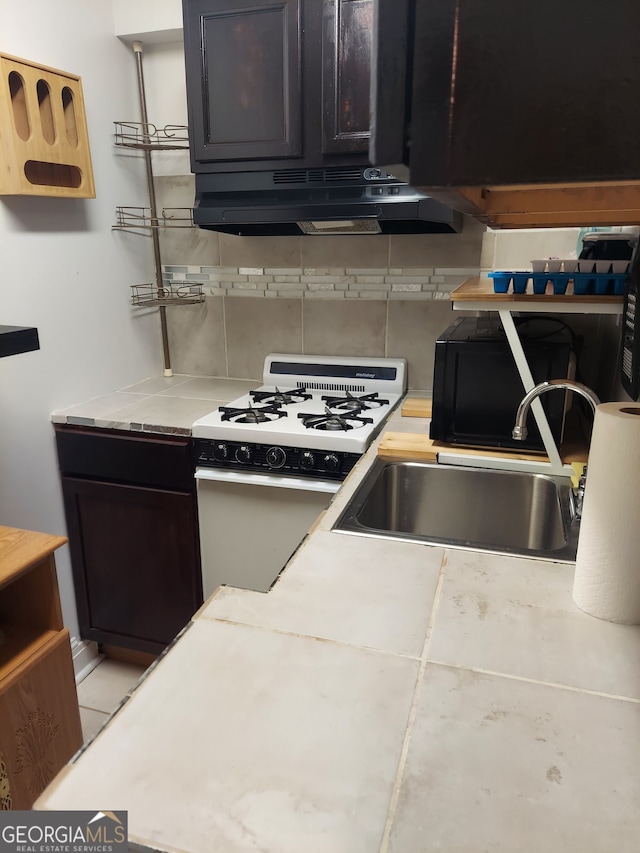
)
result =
(540, 282)
(581, 283)
(618, 283)
(501, 281)
(520, 281)
(560, 282)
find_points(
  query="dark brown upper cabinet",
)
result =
(520, 114)
(244, 77)
(346, 75)
(275, 84)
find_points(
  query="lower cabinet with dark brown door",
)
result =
(131, 513)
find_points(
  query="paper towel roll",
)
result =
(607, 578)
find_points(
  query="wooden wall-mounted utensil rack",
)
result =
(44, 144)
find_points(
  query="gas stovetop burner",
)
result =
(280, 398)
(355, 404)
(251, 415)
(333, 422)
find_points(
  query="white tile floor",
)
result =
(100, 693)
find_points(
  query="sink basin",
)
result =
(490, 510)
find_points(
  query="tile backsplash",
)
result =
(413, 267)
(321, 282)
(355, 295)
(227, 336)
(386, 295)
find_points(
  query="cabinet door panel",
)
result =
(40, 723)
(135, 561)
(346, 47)
(243, 68)
(506, 93)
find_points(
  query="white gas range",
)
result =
(313, 416)
(269, 462)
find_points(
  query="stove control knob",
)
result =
(307, 461)
(220, 451)
(276, 457)
(331, 462)
(244, 454)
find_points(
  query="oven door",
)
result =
(250, 524)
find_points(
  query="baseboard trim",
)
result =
(85, 657)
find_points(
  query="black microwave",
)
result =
(477, 387)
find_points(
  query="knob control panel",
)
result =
(244, 454)
(307, 460)
(295, 461)
(276, 457)
(331, 462)
(220, 451)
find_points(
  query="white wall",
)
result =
(64, 270)
(148, 20)
(158, 25)
(166, 91)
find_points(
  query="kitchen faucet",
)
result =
(520, 431)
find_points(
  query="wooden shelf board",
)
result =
(409, 445)
(575, 447)
(19, 643)
(477, 294)
(545, 205)
(481, 290)
(22, 549)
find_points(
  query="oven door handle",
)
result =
(271, 480)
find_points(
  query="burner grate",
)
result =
(280, 398)
(334, 421)
(349, 403)
(251, 414)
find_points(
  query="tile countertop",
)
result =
(383, 697)
(160, 404)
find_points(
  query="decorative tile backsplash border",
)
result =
(321, 282)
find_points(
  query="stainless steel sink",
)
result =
(502, 511)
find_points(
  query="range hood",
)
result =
(353, 200)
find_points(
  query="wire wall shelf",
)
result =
(131, 218)
(148, 295)
(148, 137)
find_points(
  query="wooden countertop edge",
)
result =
(21, 549)
(416, 407)
(409, 445)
